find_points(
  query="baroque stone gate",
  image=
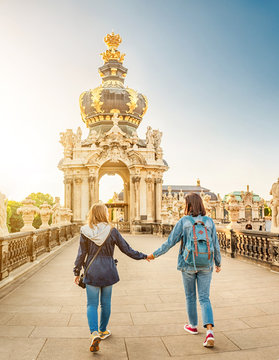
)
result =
(113, 112)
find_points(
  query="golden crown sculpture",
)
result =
(112, 41)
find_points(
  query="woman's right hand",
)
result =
(77, 279)
(150, 257)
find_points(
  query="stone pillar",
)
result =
(149, 195)
(158, 194)
(126, 201)
(233, 208)
(68, 181)
(77, 199)
(132, 199)
(92, 190)
(136, 182)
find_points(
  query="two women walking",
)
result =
(196, 265)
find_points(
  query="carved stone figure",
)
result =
(78, 135)
(149, 138)
(67, 140)
(275, 206)
(3, 215)
(157, 136)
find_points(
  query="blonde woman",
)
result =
(102, 273)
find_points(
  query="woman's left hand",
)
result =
(77, 280)
(150, 257)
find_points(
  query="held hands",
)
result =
(76, 280)
(150, 257)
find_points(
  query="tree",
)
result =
(39, 199)
(14, 220)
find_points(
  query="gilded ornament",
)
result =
(113, 71)
(133, 96)
(146, 105)
(113, 40)
(95, 97)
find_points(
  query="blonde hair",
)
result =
(97, 214)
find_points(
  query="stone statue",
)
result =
(67, 140)
(3, 215)
(275, 206)
(157, 136)
(149, 137)
(78, 137)
(115, 129)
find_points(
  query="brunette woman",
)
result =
(195, 276)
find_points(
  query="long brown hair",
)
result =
(194, 205)
(97, 214)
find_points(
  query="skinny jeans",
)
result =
(200, 279)
(95, 293)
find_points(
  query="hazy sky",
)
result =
(209, 69)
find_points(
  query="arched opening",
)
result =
(113, 190)
(248, 212)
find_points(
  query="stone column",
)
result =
(92, 190)
(68, 181)
(149, 195)
(132, 199)
(136, 182)
(77, 199)
(158, 194)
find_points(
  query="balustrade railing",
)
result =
(19, 248)
(258, 246)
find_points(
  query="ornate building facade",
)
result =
(112, 113)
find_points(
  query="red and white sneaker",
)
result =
(209, 340)
(190, 329)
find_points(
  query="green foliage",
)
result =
(14, 220)
(40, 198)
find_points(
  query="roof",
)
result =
(238, 196)
(185, 188)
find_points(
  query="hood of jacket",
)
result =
(98, 234)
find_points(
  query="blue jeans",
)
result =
(202, 278)
(93, 294)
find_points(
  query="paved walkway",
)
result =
(45, 318)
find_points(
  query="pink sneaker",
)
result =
(190, 329)
(209, 341)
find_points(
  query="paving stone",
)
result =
(128, 331)
(29, 309)
(20, 348)
(166, 306)
(16, 331)
(232, 312)
(5, 317)
(190, 345)
(253, 338)
(146, 348)
(159, 317)
(135, 300)
(270, 307)
(40, 319)
(78, 349)
(71, 332)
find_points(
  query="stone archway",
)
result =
(119, 168)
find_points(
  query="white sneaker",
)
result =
(95, 341)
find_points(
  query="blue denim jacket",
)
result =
(182, 228)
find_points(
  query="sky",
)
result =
(209, 69)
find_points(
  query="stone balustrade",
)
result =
(260, 247)
(19, 248)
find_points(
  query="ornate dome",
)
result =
(98, 105)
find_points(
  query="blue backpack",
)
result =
(198, 251)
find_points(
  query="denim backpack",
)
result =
(198, 250)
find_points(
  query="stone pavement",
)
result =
(45, 317)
